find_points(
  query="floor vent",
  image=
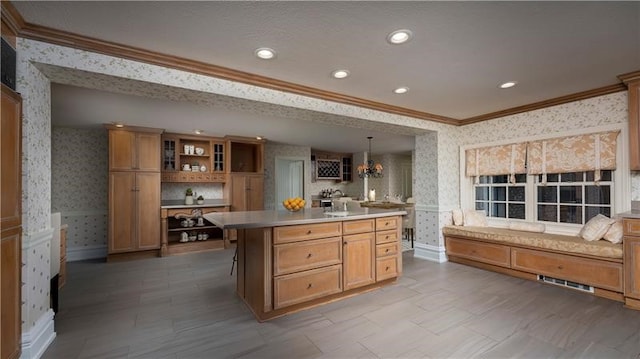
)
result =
(565, 283)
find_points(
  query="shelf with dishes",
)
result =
(185, 230)
(189, 158)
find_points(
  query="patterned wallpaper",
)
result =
(36, 187)
(80, 184)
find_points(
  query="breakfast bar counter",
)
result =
(290, 261)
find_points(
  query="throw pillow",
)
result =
(614, 234)
(475, 218)
(458, 217)
(527, 226)
(596, 227)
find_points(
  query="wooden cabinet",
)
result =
(388, 247)
(205, 157)
(62, 275)
(172, 229)
(633, 85)
(347, 169)
(245, 155)
(134, 189)
(10, 224)
(359, 259)
(134, 151)
(631, 243)
(134, 211)
(247, 192)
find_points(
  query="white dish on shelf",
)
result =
(199, 151)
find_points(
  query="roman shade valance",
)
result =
(497, 160)
(592, 152)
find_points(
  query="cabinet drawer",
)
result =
(386, 267)
(387, 223)
(351, 227)
(304, 286)
(483, 252)
(296, 257)
(387, 249)
(387, 236)
(631, 227)
(305, 232)
(601, 274)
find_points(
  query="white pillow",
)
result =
(596, 227)
(475, 218)
(614, 234)
(527, 226)
(458, 217)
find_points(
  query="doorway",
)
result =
(289, 178)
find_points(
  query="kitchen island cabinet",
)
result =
(288, 262)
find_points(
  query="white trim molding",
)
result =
(429, 252)
(39, 337)
(75, 254)
(36, 239)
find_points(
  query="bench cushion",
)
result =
(555, 242)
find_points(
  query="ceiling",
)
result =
(459, 53)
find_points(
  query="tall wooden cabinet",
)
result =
(632, 81)
(10, 224)
(247, 192)
(631, 243)
(134, 190)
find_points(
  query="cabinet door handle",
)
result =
(309, 232)
(310, 285)
(386, 269)
(386, 250)
(309, 255)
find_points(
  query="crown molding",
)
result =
(547, 103)
(11, 17)
(628, 77)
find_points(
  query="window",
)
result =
(573, 197)
(498, 198)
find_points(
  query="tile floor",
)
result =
(185, 307)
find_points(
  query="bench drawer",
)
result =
(296, 257)
(303, 232)
(386, 249)
(482, 252)
(361, 226)
(385, 223)
(304, 286)
(601, 274)
(386, 236)
(386, 267)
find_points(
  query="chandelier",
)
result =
(370, 169)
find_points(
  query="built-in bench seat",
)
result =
(596, 265)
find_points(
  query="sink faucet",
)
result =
(336, 191)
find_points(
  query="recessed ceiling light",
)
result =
(508, 84)
(198, 132)
(399, 36)
(340, 74)
(259, 137)
(118, 124)
(265, 53)
(401, 90)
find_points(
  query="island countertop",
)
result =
(274, 218)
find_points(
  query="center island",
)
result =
(290, 261)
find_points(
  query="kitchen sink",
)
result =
(337, 214)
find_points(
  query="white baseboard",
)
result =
(82, 253)
(429, 252)
(38, 338)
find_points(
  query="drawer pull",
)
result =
(386, 250)
(386, 223)
(386, 269)
(309, 255)
(559, 267)
(386, 237)
(309, 232)
(310, 285)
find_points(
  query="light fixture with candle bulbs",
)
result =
(370, 169)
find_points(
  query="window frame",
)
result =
(621, 178)
(491, 201)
